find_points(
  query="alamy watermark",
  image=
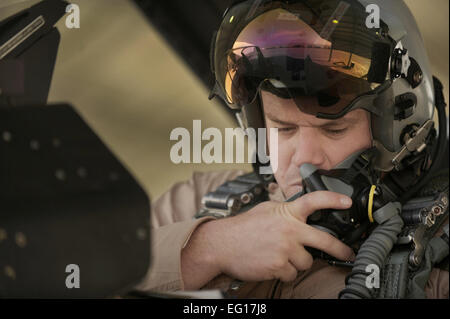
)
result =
(373, 19)
(212, 152)
(373, 277)
(73, 19)
(73, 279)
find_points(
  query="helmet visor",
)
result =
(323, 57)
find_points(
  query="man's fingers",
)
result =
(301, 259)
(287, 273)
(327, 243)
(304, 206)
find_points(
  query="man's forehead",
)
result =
(285, 115)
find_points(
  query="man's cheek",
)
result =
(338, 151)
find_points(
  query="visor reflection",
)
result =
(321, 75)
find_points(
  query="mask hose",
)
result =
(373, 251)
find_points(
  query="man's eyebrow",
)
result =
(277, 120)
(330, 123)
(340, 121)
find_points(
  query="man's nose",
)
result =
(309, 149)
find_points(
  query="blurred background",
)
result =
(133, 89)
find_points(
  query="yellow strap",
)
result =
(370, 205)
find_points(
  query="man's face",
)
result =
(304, 138)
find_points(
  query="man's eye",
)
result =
(285, 129)
(336, 132)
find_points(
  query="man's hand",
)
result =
(267, 242)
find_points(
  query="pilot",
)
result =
(350, 91)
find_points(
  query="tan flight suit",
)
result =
(173, 222)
